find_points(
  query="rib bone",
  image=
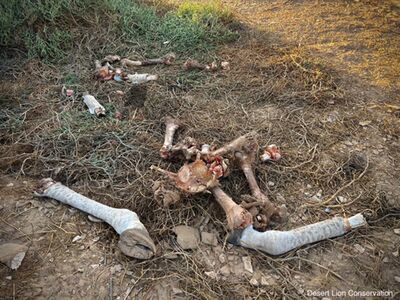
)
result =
(134, 238)
(276, 242)
(237, 216)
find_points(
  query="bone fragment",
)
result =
(134, 238)
(271, 153)
(111, 59)
(171, 125)
(12, 254)
(141, 78)
(237, 216)
(95, 108)
(276, 242)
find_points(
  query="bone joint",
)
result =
(276, 242)
(95, 108)
(237, 216)
(134, 238)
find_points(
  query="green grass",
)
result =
(43, 27)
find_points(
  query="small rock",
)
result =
(264, 281)
(385, 259)
(359, 248)
(271, 183)
(397, 278)
(395, 254)
(176, 291)
(254, 282)
(222, 258)
(8, 277)
(80, 270)
(341, 199)
(327, 210)
(231, 257)
(25, 182)
(319, 194)
(212, 275)
(247, 264)
(187, 237)
(94, 219)
(397, 231)
(348, 143)
(309, 186)
(94, 266)
(116, 269)
(316, 198)
(10, 184)
(76, 238)
(12, 254)
(365, 123)
(209, 238)
(225, 270)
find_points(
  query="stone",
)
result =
(397, 278)
(271, 183)
(212, 275)
(254, 282)
(225, 270)
(359, 248)
(341, 199)
(187, 237)
(10, 184)
(12, 254)
(209, 238)
(76, 238)
(247, 264)
(222, 258)
(397, 231)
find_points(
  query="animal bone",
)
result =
(95, 108)
(192, 178)
(192, 64)
(237, 216)
(166, 60)
(271, 152)
(111, 59)
(103, 72)
(171, 125)
(165, 196)
(134, 239)
(276, 242)
(234, 146)
(12, 254)
(264, 210)
(141, 78)
(188, 148)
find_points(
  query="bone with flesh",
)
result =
(265, 210)
(141, 78)
(111, 59)
(276, 242)
(237, 216)
(103, 72)
(271, 153)
(166, 60)
(95, 108)
(134, 238)
(12, 254)
(171, 125)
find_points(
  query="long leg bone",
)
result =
(141, 78)
(237, 216)
(276, 242)
(171, 125)
(134, 238)
(267, 210)
(166, 60)
(95, 108)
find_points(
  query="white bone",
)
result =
(276, 242)
(95, 108)
(141, 78)
(125, 222)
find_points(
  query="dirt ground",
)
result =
(318, 78)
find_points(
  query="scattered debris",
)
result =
(254, 281)
(95, 108)
(397, 231)
(225, 66)
(247, 264)
(76, 238)
(359, 248)
(187, 237)
(111, 59)
(341, 199)
(225, 270)
(212, 275)
(12, 254)
(364, 123)
(134, 238)
(209, 238)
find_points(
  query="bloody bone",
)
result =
(167, 59)
(271, 153)
(171, 125)
(237, 216)
(134, 238)
(103, 72)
